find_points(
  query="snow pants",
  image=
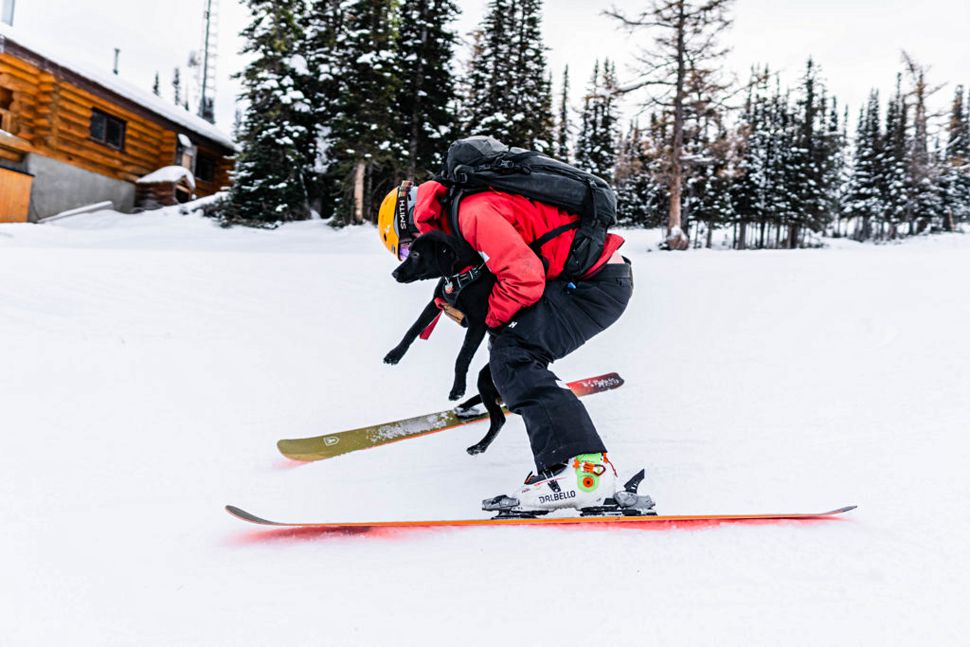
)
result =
(567, 315)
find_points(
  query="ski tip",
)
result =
(615, 378)
(239, 513)
(847, 508)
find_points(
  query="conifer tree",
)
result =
(563, 125)
(747, 192)
(177, 86)
(864, 202)
(510, 93)
(156, 87)
(923, 168)
(892, 165)
(833, 160)
(956, 174)
(641, 191)
(268, 181)
(597, 140)
(324, 32)
(363, 125)
(424, 103)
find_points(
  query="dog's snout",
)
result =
(394, 273)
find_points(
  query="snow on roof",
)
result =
(168, 175)
(115, 84)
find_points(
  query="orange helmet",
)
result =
(395, 220)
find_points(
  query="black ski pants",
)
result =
(567, 315)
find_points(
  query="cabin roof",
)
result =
(127, 93)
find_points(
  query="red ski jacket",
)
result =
(500, 227)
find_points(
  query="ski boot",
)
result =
(586, 483)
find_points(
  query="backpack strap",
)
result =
(536, 245)
(455, 196)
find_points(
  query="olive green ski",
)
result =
(343, 442)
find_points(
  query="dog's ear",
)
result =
(446, 253)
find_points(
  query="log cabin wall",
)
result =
(50, 108)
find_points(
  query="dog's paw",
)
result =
(456, 393)
(393, 357)
(475, 449)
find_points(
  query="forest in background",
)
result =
(344, 98)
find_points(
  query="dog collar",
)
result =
(455, 283)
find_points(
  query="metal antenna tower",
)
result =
(210, 39)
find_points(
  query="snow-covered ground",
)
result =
(149, 363)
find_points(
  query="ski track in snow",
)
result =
(151, 362)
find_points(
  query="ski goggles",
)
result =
(407, 195)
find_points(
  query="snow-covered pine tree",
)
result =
(156, 87)
(588, 121)
(325, 23)
(956, 174)
(268, 182)
(597, 140)
(425, 100)
(807, 179)
(707, 195)
(531, 91)
(923, 167)
(833, 163)
(563, 129)
(487, 72)
(893, 162)
(747, 191)
(781, 171)
(641, 194)
(177, 86)
(364, 125)
(509, 91)
(864, 201)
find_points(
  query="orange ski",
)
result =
(541, 521)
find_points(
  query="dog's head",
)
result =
(432, 256)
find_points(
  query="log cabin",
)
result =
(71, 136)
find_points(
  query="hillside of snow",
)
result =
(150, 363)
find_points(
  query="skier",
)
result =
(535, 316)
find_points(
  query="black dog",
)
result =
(465, 284)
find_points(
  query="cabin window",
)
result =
(185, 152)
(205, 168)
(106, 129)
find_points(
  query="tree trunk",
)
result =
(675, 234)
(743, 235)
(710, 233)
(359, 172)
(417, 111)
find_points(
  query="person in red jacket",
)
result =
(535, 317)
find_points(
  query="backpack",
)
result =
(476, 164)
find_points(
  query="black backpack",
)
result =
(478, 163)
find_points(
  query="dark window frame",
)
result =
(107, 121)
(202, 161)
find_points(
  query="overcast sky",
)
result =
(857, 43)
